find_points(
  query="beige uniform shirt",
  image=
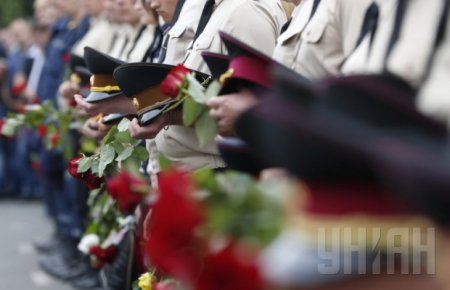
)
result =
(99, 36)
(252, 21)
(409, 57)
(434, 96)
(140, 47)
(318, 47)
(180, 36)
(125, 36)
(176, 42)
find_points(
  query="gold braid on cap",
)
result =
(75, 79)
(226, 75)
(105, 89)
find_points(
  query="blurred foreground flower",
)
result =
(128, 190)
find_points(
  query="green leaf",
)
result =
(92, 228)
(125, 154)
(85, 164)
(95, 166)
(88, 145)
(213, 89)
(135, 285)
(123, 137)
(140, 153)
(205, 128)
(196, 91)
(175, 105)
(110, 136)
(123, 125)
(107, 155)
(164, 162)
(191, 111)
(48, 107)
(118, 147)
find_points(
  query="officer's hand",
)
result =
(119, 104)
(147, 132)
(226, 109)
(93, 128)
(68, 90)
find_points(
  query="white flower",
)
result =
(87, 242)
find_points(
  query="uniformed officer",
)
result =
(182, 32)
(343, 196)
(66, 32)
(179, 143)
(321, 35)
(414, 53)
(185, 148)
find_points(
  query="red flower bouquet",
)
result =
(173, 246)
(91, 181)
(127, 190)
(171, 85)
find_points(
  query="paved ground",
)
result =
(20, 224)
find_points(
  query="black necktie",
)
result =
(286, 26)
(370, 24)
(314, 8)
(164, 43)
(208, 10)
(313, 12)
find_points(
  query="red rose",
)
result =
(42, 130)
(226, 270)
(54, 139)
(92, 181)
(18, 89)
(21, 109)
(36, 100)
(2, 123)
(124, 188)
(89, 179)
(72, 102)
(36, 166)
(103, 256)
(173, 245)
(66, 57)
(171, 85)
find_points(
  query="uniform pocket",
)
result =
(314, 32)
(203, 42)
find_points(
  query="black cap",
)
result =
(217, 63)
(363, 127)
(248, 67)
(239, 156)
(75, 61)
(141, 81)
(102, 66)
(114, 118)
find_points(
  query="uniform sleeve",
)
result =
(264, 33)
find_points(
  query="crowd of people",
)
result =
(274, 132)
